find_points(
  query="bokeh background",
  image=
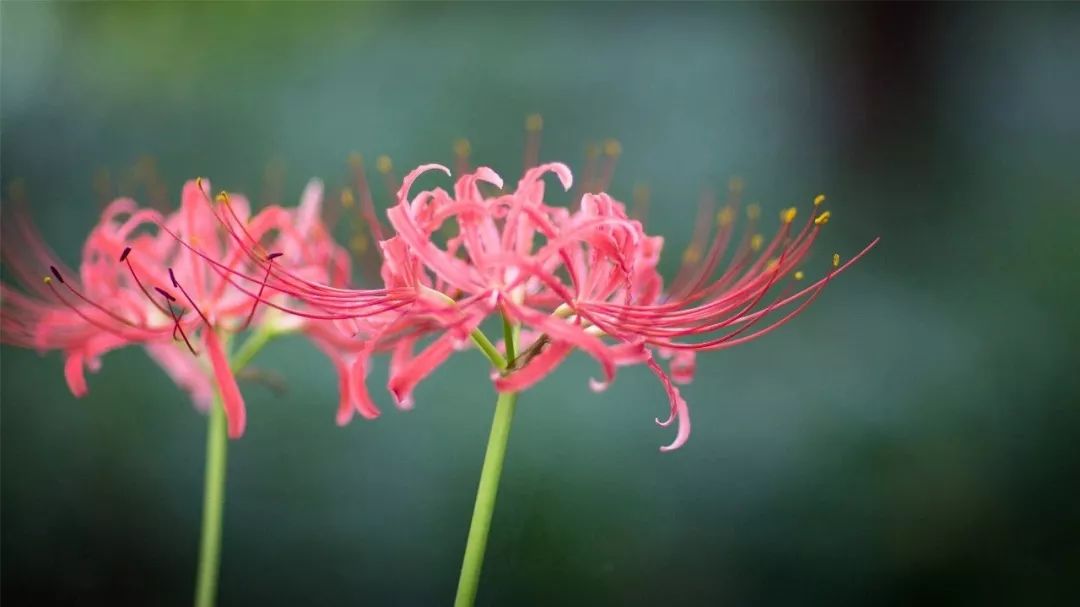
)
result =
(912, 438)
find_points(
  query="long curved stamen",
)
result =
(176, 284)
(270, 261)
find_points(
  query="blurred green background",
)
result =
(912, 438)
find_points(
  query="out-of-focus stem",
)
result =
(214, 479)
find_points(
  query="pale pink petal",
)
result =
(358, 391)
(308, 213)
(404, 378)
(679, 410)
(185, 371)
(231, 398)
(73, 373)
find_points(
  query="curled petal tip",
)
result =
(598, 386)
(404, 401)
(566, 177)
(343, 418)
(488, 175)
(73, 374)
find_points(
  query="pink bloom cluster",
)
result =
(580, 278)
(583, 279)
(139, 285)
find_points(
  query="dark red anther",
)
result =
(56, 273)
(123, 256)
(172, 277)
(273, 256)
(165, 294)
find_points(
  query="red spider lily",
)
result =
(573, 279)
(138, 285)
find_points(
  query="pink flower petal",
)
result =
(231, 398)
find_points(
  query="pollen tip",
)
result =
(836, 260)
(771, 265)
(753, 211)
(222, 197)
(823, 218)
(48, 280)
(691, 255)
(735, 185)
(592, 149)
(172, 277)
(347, 199)
(725, 217)
(799, 275)
(56, 273)
(124, 255)
(356, 161)
(383, 164)
(612, 147)
(788, 215)
(359, 243)
(756, 242)
(820, 198)
(534, 122)
(462, 147)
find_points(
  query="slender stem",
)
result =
(511, 344)
(485, 500)
(213, 507)
(488, 489)
(214, 479)
(489, 349)
(250, 348)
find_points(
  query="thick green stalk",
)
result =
(484, 508)
(214, 479)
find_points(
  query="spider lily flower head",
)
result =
(578, 278)
(138, 285)
(707, 308)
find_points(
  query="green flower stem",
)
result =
(489, 349)
(489, 486)
(214, 479)
(213, 506)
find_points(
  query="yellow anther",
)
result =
(788, 215)
(48, 280)
(198, 182)
(612, 147)
(735, 185)
(347, 199)
(725, 217)
(691, 255)
(534, 122)
(820, 198)
(358, 243)
(592, 150)
(756, 241)
(222, 197)
(383, 164)
(799, 275)
(753, 211)
(836, 260)
(823, 218)
(356, 161)
(771, 265)
(16, 188)
(462, 148)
